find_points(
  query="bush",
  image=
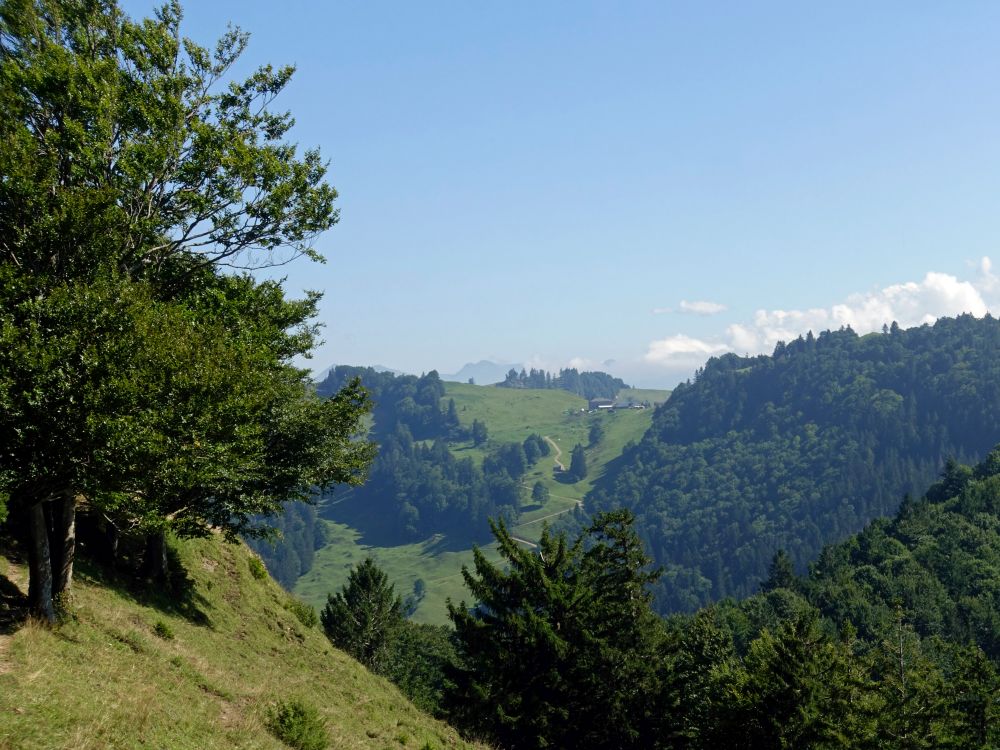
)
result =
(305, 612)
(257, 569)
(298, 725)
(163, 630)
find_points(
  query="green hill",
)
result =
(134, 668)
(510, 415)
(802, 448)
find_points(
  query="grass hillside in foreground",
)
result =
(510, 415)
(106, 679)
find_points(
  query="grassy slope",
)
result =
(511, 415)
(106, 680)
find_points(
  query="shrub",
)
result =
(305, 612)
(163, 630)
(298, 725)
(257, 569)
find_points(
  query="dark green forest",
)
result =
(889, 641)
(797, 449)
(586, 384)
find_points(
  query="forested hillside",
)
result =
(801, 448)
(889, 642)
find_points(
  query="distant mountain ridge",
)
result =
(801, 448)
(483, 372)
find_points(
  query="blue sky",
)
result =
(567, 183)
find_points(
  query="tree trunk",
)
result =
(112, 537)
(64, 543)
(39, 565)
(155, 561)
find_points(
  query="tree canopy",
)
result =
(557, 651)
(143, 376)
(801, 448)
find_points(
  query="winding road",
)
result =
(558, 451)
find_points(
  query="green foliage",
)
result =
(939, 559)
(558, 652)
(596, 432)
(586, 384)
(163, 630)
(363, 617)
(304, 613)
(479, 433)
(798, 449)
(419, 487)
(134, 372)
(781, 574)
(420, 658)
(539, 493)
(578, 463)
(289, 552)
(298, 725)
(257, 569)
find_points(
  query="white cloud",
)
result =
(662, 310)
(681, 349)
(988, 283)
(909, 304)
(583, 364)
(702, 307)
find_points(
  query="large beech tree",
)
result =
(137, 374)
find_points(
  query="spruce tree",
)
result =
(578, 463)
(363, 617)
(559, 651)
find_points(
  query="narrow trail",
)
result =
(558, 451)
(579, 504)
(525, 542)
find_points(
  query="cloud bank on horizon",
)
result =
(909, 304)
(698, 307)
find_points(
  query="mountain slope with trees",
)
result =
(889, 642)
(801, 448)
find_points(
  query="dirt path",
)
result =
(558, 451)
(579, 504)
(524, 542)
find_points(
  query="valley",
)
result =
(511, 415)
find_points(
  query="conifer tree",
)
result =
(363, 617)
(559, 650)
(578, 463)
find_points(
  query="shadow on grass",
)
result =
(377, 528)
(13, 601)
(13, 606)
(455, 543)
(564, 477)
(176, 595)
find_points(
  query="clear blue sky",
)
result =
(531, 181)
